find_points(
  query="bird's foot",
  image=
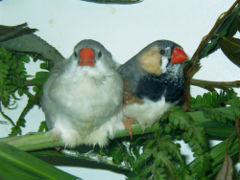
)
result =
(127, 124)
(56, 135)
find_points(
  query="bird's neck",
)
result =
(174, 70)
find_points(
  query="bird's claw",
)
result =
(127, 124)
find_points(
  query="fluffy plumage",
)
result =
(82, 98)
(153, 81)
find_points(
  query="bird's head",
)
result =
(159, 55)
(89, 53)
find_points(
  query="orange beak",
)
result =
(87, 57)
(178, 55)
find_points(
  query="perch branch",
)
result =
(33, 141)
(193, 65)
(210, 85)
(38, 141)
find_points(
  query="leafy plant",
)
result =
(153, 153)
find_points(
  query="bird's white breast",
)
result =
(148, 113)
(83, 101)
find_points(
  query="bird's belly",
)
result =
(87, 101)
(84, 112)
(147, 113)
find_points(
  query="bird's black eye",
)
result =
(75, 54)
(99, 54)
(162, 51)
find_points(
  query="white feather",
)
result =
(148, 113)
(83, 104)
(164, 64)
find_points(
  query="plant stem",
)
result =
(38, 141)
(137, 130)
(238, 132)
(193, 65)
(33, 141)
(214, 84)
(7, 117)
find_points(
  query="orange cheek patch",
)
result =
(151, 61)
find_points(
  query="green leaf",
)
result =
(13, 76)
(9, 32)
(3, 72)
(212, 99)
(20, 92)
(222, 115)
(165, 159)
(231, 48)
(42, 127)
(203, 166)
(25, 59)
(74, 158)
(40, 77)
(235, 105)
(226, 29)
(226, 171)
(193, 132)
(21, 165)
(234, 27)
(46, 65)
(33, 45)
(230, 25)
(217, 131)
(115, 151)
(215, 157)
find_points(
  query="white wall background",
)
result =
(122, 29)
